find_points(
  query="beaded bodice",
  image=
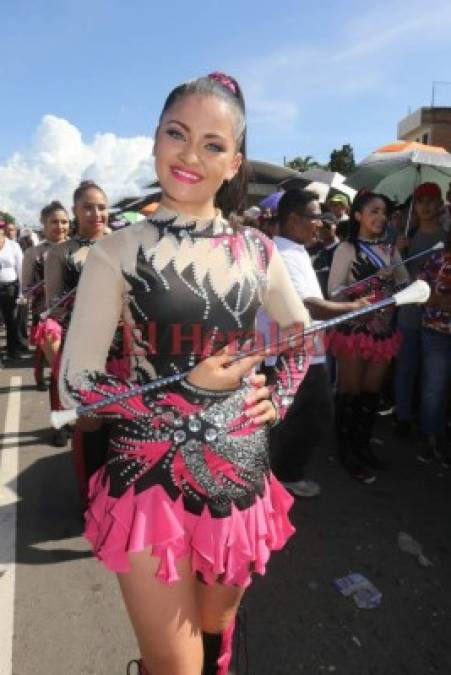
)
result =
(77, 249)
(183, 291)
(189, 293)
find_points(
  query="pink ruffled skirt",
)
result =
(46, 330)
(225, 549)
(365, 345)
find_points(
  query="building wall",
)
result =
(427, 125)
(441, 135)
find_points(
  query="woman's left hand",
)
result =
(385, 273)
(259, 407)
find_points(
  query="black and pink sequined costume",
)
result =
(187, 472)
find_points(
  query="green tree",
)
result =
(7, 217)
(303, 163)
(342, 160)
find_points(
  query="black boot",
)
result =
(218, 651)
(367, 403)
(345, 426)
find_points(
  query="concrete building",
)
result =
(431, 126)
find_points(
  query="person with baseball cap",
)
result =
(427, 232)
(339, 205)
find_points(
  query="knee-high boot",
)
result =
(218, 651)
(367, 403)
(346, 431)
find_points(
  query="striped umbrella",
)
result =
(395, 170)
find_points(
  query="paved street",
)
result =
(67, 617)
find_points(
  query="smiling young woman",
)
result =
(55, 221)
(363, 347)
(186, 508)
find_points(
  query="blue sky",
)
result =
(315, 75)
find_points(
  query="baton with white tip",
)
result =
(417, 292)
(45, 315)
(343, 289)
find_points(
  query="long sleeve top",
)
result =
(33, 264)
(184, 289)
(33, 273)
(63, 267)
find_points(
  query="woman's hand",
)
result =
(402, 243)
(385, 273)
(219, 373)
(259, 407)
(360, 303)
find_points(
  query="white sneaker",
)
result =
(303, 488)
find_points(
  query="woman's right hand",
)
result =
(402, 243)
(219, 373)
(360, 303)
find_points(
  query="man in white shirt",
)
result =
(296, 438)
(10, 279)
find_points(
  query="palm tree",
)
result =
(303, 163)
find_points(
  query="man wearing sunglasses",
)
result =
(294, 441)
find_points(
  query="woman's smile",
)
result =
(185, 175)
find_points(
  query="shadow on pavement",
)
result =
(34, 437)
(48, 512)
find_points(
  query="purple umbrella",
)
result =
(271, 201)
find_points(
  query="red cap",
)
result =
(2, 224)
(428, 190)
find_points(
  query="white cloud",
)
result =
(59, 158)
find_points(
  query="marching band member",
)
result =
(62, 271)
(186, 509)
(365, 346)
(55, 221)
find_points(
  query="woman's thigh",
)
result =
(350, 374)
(165, 617)
(218, 605)
(50, 349)
(374, 375)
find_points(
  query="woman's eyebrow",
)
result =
(186, 128)
(215, 136)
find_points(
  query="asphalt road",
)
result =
(67, 615)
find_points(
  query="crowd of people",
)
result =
(395, 363)
(187, 486)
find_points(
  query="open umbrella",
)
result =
(150, 208)
(324, 183)
(132, 216)
(395, 170)
(271, 201)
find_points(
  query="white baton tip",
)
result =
(58, 418)
(418, 292)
